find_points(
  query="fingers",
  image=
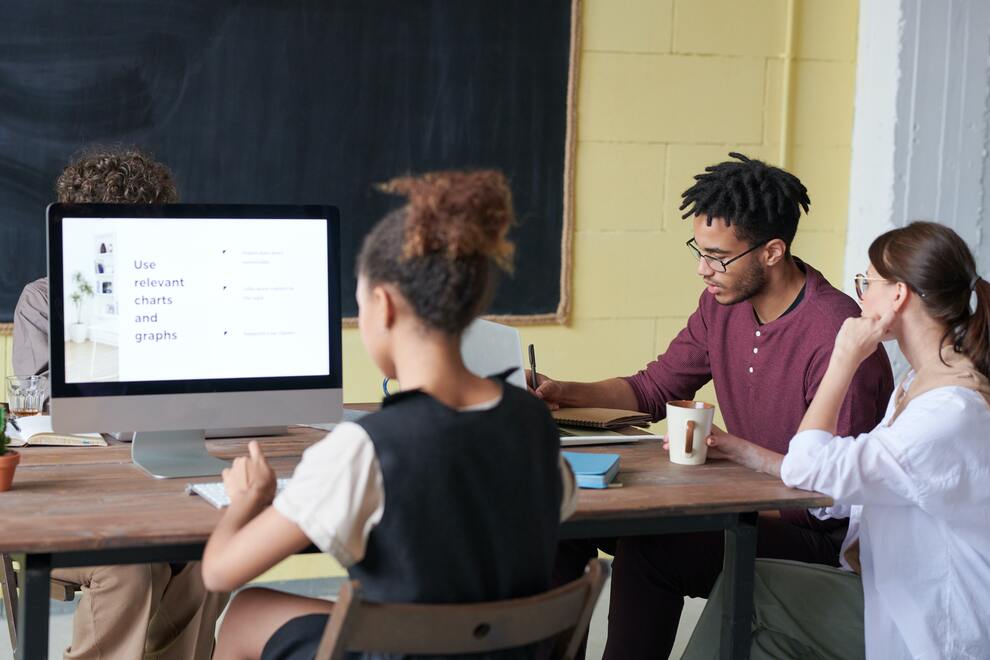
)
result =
(886, 319)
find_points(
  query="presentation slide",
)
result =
(178, 299)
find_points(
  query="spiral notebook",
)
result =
(600, 418)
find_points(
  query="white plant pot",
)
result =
(77, 332)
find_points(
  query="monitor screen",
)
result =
(182, 298)
(196, 299)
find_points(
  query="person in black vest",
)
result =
(476, 485)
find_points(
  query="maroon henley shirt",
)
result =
(766, 375)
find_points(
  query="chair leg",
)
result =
(8, 584)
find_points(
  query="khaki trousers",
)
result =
(142, 611)
(800, 611)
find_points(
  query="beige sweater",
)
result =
(30, 350)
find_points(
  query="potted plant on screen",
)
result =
(8, 457)
(77, 330)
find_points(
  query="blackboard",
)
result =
(305, 101)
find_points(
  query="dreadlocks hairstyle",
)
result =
(443, 247)
(115, 175)
(762, 202)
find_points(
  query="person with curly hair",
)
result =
(138, 610)
(763, 332)
(98, 175)
(444, 446)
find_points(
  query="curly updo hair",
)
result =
(761, 201)
(115, 175)
(443, 248)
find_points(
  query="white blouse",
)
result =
(917, 494)
(337, 495)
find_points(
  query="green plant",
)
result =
(83, 290)
(3, 429)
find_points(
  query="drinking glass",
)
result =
(26, 395)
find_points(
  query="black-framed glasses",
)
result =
(716, 264)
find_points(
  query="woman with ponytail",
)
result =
(413, 500)
(916, 558)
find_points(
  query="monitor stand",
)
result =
(169, 454)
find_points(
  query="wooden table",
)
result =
(92, 506)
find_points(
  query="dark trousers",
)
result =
(651, 575)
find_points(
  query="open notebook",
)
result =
(36, 430)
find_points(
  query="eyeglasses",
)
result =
(716, 264)
(863, 284)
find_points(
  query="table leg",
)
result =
(32, 616)
(738, 578)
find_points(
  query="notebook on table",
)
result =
(593, 470)
(600, 418)
(36, 431)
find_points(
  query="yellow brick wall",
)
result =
(667, 87)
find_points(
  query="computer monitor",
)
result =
(171, 319)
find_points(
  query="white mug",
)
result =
(689, 423)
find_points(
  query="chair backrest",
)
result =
(449, 629)
(489, 348)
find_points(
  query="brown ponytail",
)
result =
(442, 247)
(976, 340)
(935, 263)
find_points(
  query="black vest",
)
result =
(472, 500)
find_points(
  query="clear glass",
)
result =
(26, 395)
(863, 284)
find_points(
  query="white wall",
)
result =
(921, 129)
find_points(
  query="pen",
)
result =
(532, 366)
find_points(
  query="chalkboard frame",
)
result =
(562, 314)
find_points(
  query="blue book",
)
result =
(593, 470)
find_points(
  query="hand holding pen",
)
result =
(543, 387)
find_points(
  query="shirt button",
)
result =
(751, 370)
(756, 350)
(757, 333)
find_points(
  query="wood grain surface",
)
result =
(84, 498)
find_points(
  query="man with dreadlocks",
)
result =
(763, 333)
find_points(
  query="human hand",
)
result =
(742, 451)
(713, 450)
(725, 445)
(858, 338)
(250, 478)
(547, 389)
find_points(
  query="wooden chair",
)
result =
(447, 629)
(59, 590)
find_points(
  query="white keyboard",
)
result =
(215, 494)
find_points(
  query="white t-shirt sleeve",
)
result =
(336, 495)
